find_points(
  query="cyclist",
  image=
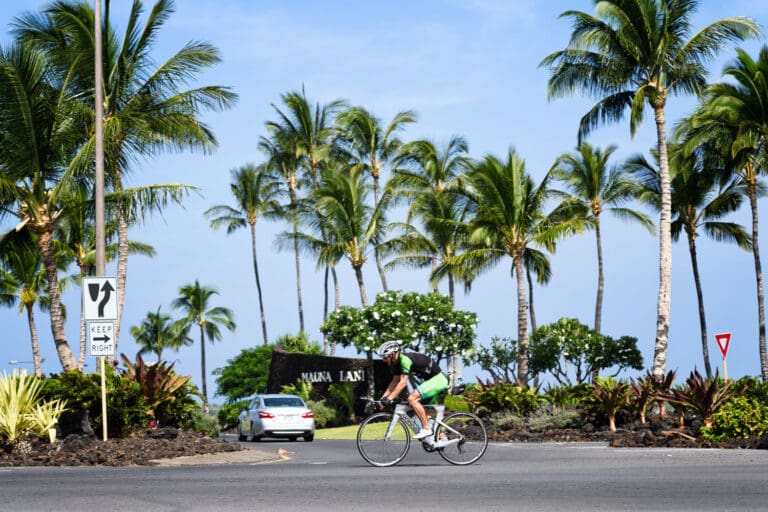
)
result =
(412, 364)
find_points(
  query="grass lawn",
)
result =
(348, 432)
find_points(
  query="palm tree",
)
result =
(77, 243)
(509, 219)
(194, 302)
(372, 147)
(698, 203)
(283, 161)
(598, 187)
(256, 193)
(22, 279)
(158, 332)
(308, 132)
(40, 127)
(733, 118)
(634, 52)
(146, 108)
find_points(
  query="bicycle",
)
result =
(384, 438)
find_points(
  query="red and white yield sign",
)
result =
(723, 340)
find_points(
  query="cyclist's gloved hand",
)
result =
(386, 401)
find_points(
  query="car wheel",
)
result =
(309, 438)
(240, 436)
(254, 437)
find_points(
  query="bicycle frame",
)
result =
(401, 411)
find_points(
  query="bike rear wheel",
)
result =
(473, 438)
(376, 447)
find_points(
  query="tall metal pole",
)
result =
(99, 184)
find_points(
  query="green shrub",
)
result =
(126, 406)
(228, 414)
(456, 403)
(508, 420)
(739, 417)
(503, 396)
(325, 416)
(302, 389)
(202, 423)
(565, 395)
(545, 418)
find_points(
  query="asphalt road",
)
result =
(331, 475)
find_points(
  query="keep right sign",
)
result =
(723, 340)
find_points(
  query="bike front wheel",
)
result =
(471, 436)
(382, 443)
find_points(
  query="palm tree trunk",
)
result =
(33, 337)
(122, 263)
(456, 360)
(752, 184)
(336, 302)
(325, 307)
(700, 298)
(202, 367)
(258, 285)
(665, 250)
(533, 315)
(81, 356)
(600, 277)
(379, 264)
(361, 284)
(45, 242)
(298, 263)
(522, 323)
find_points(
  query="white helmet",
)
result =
(387, 348)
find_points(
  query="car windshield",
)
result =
(283, 401)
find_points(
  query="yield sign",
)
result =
(723, 340)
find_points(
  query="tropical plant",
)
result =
(739, 417)
(44, 417)
(256, 192)
(194, 301)
(508, 219)
(298, 343)
(23, 279)
(702, 396)
(18, 398)
(701, 196)
(307, 133)
(344, 394)
(629, 54)
(494, 396)
(609, 397)
(643, 393)
(40, 128)
(301, 388)
(158, 331)
(147, 110)
(573, 353)
(245, 374)
(499, 358)
(371, 147)
(161, 386)
(598, 188)
(732, 117)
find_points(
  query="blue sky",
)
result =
(467, 67)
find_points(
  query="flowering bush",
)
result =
(422, 322)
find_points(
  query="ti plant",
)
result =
(644, 392)
(702, 396)
(661, 388)
(159, 383)
(610, 396)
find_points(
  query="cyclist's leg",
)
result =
(427, 391)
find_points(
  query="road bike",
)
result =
(384, 438)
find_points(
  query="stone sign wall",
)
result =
(288, 367)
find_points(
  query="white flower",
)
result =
(396, 313)
(423, 318)
(375, 315)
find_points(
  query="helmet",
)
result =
(388, 347)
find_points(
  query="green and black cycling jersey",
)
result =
(416, 365)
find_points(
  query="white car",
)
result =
(276, 416)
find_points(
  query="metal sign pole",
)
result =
(99, 182)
